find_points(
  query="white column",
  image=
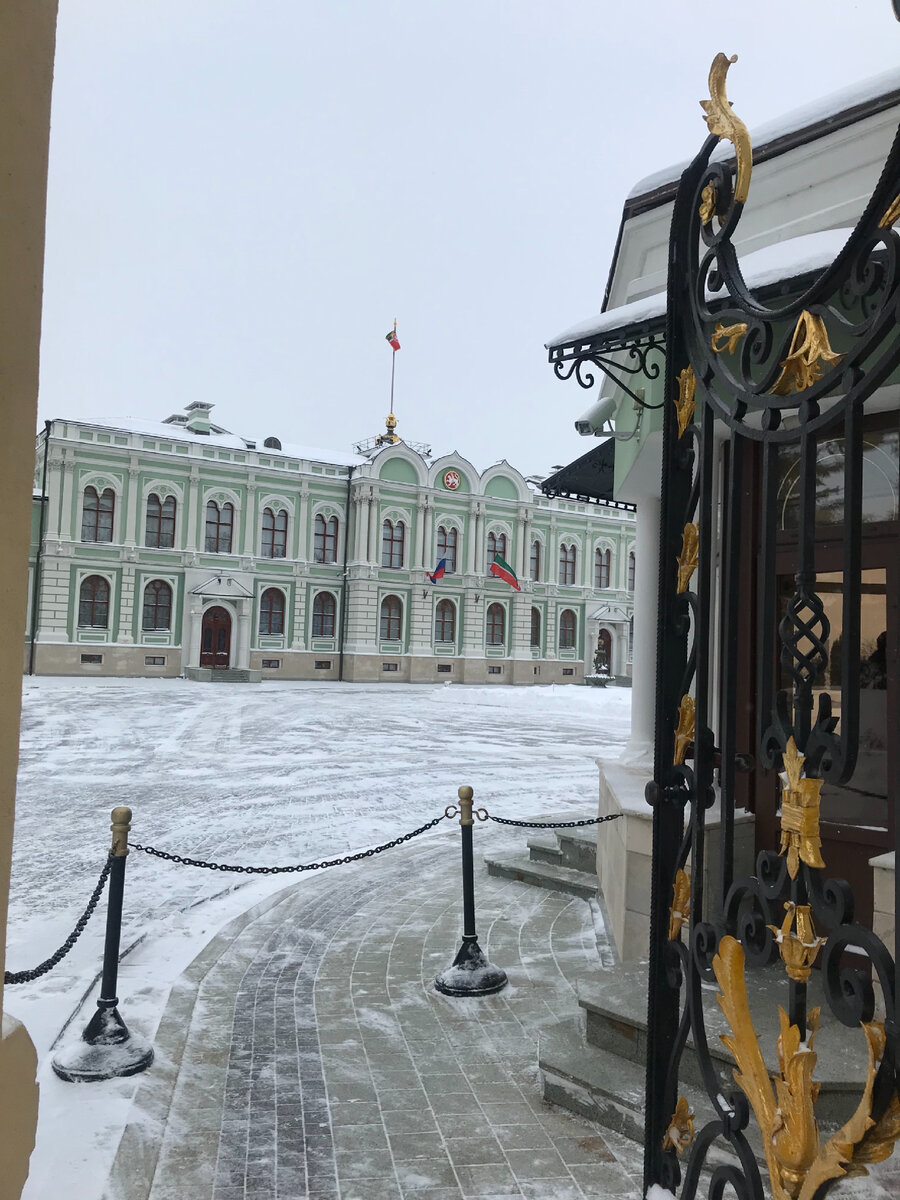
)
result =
(129, 533)
(301, 534)
(587, 560)
(55, 472)
(526, 554)
(373, 531)
(471, 534)
(479, 541)
(361, 508)
(68, 511)
(520, 559)
(419, 557)
(639, 751)
(248, 541)
(190, 533)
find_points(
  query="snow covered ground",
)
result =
(266, 774)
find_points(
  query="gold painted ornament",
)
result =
(809, 349)
(680, 1131)
(681, 898)
(684, 734)
(708, 200)
(726, 337)
(891, 213)
(800, 799)
(685, 402)
(798, 949)
(689, 557)
(724, 123)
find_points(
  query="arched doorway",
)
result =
(215, 638)
(603, 653)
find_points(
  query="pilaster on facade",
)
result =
(193, 520)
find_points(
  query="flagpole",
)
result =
(393, 367)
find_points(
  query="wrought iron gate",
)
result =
(774, 382)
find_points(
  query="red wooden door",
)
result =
(215, 638)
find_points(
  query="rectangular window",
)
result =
(92, 658)
(537, 670)
(154, 660)
(389, 666)
(568, 670)
(323, 664)
(444, 668)
(495, 670)
(271, 663)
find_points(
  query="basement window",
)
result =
(271, 664)
(323, 664)
(92, 658)
(389, 666)
(154, 660)
(444, 668)
(495, 670)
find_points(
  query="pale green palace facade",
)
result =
(178, 548)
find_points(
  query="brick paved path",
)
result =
(305, 1053)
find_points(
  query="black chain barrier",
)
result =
(545, 824)
(49, 963)
(295, 869)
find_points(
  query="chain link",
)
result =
(551, 824)
(295, 869)
(50, 963)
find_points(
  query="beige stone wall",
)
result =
(27, 43)
(51, 659)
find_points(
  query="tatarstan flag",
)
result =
(504, 571)
(392, 338)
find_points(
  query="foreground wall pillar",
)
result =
(27, 43)
(639, 751)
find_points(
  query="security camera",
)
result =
(596, 417)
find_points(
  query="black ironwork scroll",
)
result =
(769, 379)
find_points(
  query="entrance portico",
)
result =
(217, 625)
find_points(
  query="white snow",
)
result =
(782, 260)
(656, 1192)
(268, 774)
(821, 109)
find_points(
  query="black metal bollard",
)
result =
(107, 1048)
(470, 973)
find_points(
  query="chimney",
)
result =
(198, 416)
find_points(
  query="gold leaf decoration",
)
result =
(708, 200)
(723, 122)
(681, 896)
(798, 1163)
(689, 557)
(798, 949)
(680, 1131)
(892, 212)
(730, 335)
(809, 349)
(686, 402)
(684, 734)
(799, 813)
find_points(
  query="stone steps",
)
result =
(541, 874)
(562, 860)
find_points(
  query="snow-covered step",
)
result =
(544, 847)
(546, 875)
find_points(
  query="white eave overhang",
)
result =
(642, 322)
(223, 585)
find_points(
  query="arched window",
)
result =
(159, 530)
(496, 624)
(446, 547)
(157, 605)
(445, 621)
(323, 615)
(219, 525)
(97, 515)
(274, 533)
(393, 538)
(326, 537)
(93, 602)
(536, 628)
(567, 565)
(567, 629)
(391, 614)
(536, 560)
(496, 547)
(602, 561)
(271, 611)
(631, 572)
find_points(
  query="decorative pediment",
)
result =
(101, 482)
(610, 613)
(224, 586)
(222, 497)
(163, 489)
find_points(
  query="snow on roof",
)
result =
(782, 260)
(816, 112)
(225, 441)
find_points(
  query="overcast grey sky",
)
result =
(244, 194)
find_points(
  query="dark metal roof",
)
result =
(588, 478)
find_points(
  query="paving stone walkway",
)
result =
(306, 1053)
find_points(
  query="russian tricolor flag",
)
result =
(438, 571)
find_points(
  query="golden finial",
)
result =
(680, 1132)
(799, 813)
(810, 348)
(798, 950)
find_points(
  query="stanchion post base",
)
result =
(470, 973)
(106, 1050)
